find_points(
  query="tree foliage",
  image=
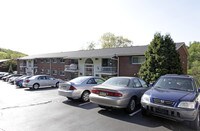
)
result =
(10, 65)
(9, 54)
(109, 40)
(194, 59)
(91, 46)
(161, 58)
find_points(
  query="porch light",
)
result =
(115, 57)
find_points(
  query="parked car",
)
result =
(119, 92)
(174, 97)
(12, 79)
(79, 88)
(6, 76)
(18, 82)
(2, 74)
(37, 81)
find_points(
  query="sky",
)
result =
(46, 26)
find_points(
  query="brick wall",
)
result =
(183, 58)
(126, 68)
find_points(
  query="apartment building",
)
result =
(123, 61)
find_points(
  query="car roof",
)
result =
(128, 77)
(178, 76)
(90, 76)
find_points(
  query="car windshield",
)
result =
(78, 80)
(117, 81)
(184, 84)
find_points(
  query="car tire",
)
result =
(85, 96)
(131, 106)
(57, 85)
(195, 124)
(36, 86)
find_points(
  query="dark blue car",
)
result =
(174, 97)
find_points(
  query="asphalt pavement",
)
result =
(22, 109)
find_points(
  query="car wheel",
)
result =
(195, 124)
(85, 96)
(57, 84)
(36, 86)
(131, 106)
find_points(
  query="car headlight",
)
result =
(187, 104)
(145, 98)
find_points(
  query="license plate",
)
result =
(162, 111)
(102, 93)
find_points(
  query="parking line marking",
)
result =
(135, 113)
(84, 103)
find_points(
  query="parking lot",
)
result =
(22, 109)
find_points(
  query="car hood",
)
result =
(173, 95)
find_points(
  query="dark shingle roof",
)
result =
(100, 53)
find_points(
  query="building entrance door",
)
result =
(89, 67)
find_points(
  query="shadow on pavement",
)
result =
(150, 121)
(41, 89)
(79, 104)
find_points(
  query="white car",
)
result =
(37, 81)
(79, 88)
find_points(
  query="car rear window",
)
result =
(78, 80)
(117, 82)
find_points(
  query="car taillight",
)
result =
(72, 88)
(95, 91)
(27, 81)
(115, 94)
(107, 93)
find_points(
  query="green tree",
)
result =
(109, 40)
(11, 65)
(194, 59)
(161, 58)
(91, 46)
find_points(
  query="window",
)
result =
(108, 62)
(41, 78)
(144, 84)
(91, 81)
(137, 83)
(42, 60)
(48, 71)
(54, 60)
(54, 72)
(47, 60)
(42, 70)
(62, 73)
(29, 63)
(98, 80)
(62, 60)
(138, 59)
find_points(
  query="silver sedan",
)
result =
(119, 92)
(79, 88)
(37, 81)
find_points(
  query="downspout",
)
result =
(50, 66)
(118, 66)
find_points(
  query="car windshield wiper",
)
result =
(175, 88)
